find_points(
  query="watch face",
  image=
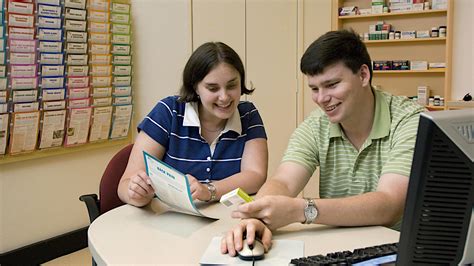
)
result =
(310, 212)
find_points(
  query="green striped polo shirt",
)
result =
(345, 171)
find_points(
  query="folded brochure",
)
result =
(171, 186)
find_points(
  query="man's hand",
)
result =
(232, 242)
(274, 211)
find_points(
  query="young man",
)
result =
(361, 139)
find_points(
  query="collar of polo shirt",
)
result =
(191, 119)
(381, 124)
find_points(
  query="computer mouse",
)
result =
(252, 252)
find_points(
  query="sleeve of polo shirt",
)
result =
(403, 145)
(255, 127)
(302, 146)
(157, 124)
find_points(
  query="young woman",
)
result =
(206, 132)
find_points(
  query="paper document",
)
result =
(171, 186)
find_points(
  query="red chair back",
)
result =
(110, 180)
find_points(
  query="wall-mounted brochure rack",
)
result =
(65, 76)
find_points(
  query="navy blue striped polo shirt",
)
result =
(188, 152)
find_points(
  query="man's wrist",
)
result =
(301, 203)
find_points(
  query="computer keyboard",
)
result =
(355, 257)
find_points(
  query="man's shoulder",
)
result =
(316, 114)
(401, 106)
(317, 117)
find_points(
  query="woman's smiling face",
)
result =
(219, 92)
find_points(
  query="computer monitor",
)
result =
(438, 222)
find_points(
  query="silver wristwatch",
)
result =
(212, 190)
(310, 211)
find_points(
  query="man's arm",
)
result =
(277, 205)
(381, 207)
(253, 170)
(288, 180)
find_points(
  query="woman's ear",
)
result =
(364, 75)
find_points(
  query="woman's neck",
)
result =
(210, 124)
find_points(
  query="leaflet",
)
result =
(20, 8)
(99, 5)
(3, 132)
(52, 133)
(24, 132)
(101, 123)
(49, 11)
(171, 186)
(78, 128)
(122, 116)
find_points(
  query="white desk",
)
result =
(155, 235)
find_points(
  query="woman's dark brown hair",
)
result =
(204, 59)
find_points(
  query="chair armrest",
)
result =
(92, 204)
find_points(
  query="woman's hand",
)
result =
(199, 191)
(140, 189)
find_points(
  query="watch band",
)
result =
(212, 190)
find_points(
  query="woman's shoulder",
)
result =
(245, 107)
(170, 105)
(171, 100)
(173, 103)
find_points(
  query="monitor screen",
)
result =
(438, 219)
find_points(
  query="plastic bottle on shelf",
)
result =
(391, 35)
(431, 101)
(442, 31)
(398, 34)
(426, 6)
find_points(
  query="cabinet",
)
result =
(264, 34)
(438, 49)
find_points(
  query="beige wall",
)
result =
(463, 46)
(39, 198)
(315, 12)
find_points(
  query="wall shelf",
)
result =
(407, 13)
(460, 105)
(436, 70)
(431, 50)
(435, 107)
(6, 159)
(398, 41)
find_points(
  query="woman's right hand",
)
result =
(140, 189)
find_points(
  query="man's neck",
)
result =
(358, 128)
